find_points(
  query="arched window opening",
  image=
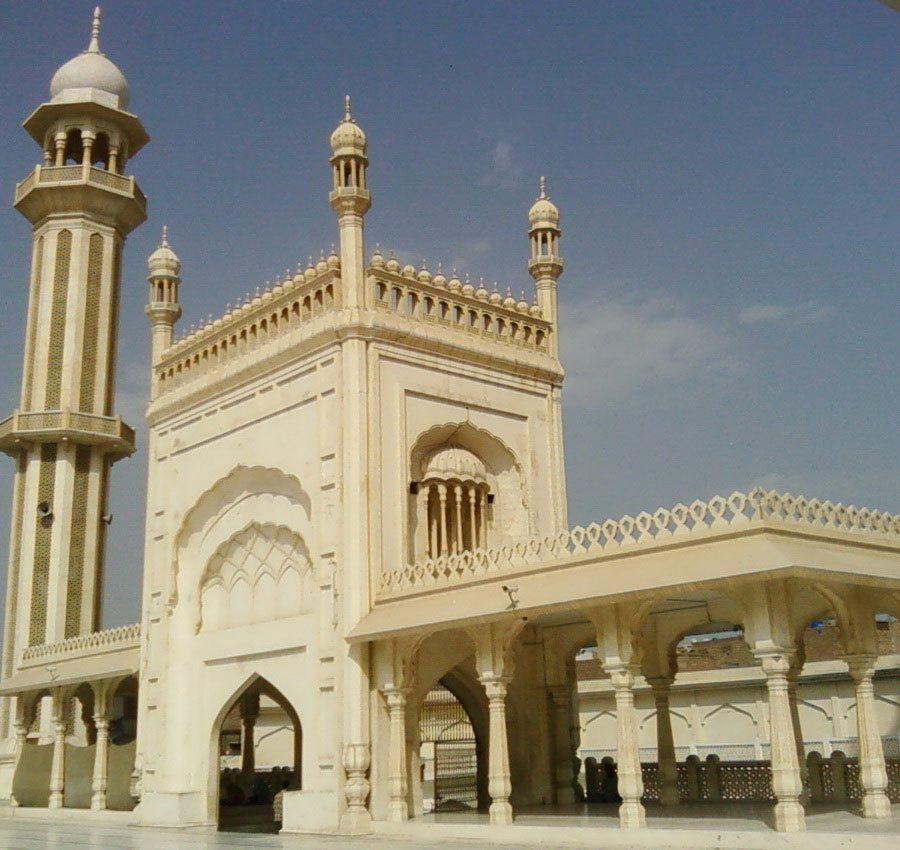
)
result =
(73, 152)
(455, 499)
(260, 756)
(100, 151)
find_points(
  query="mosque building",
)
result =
(359, 584)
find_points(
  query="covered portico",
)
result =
(510, 620)
(65, 692)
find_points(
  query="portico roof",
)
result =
(714, 545)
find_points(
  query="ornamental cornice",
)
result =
(330, 328)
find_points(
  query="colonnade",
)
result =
(623, 660)
(60, 699)
(454, 515)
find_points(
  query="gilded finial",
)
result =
(347, 115)
(94, 46)
(165, 237)
(543, 194)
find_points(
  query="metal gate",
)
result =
(450, 762)
(455, 775)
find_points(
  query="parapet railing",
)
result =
(45, 174)
(122, 637)
(453, 304)
(260, 319)
(49, 425)
(644, 530)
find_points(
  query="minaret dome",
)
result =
(90, 76)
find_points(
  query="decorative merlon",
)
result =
(679, 523)
(121, 637)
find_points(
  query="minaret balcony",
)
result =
(81, 188)
(109, 433)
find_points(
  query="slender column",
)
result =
(87, 146)
(786, 780)
(58, 764)
(113, 157)
(562, 757)
(101, 763)
(249, 713)
(628, 761)
(442, 501)
(872, 769)
(473, 533)
(60, 148)
(499, 779)
(482, 519)
(457, 502)
(423, 520)
(433, 520)
(398, 808)
(792, 676)
(665, 743)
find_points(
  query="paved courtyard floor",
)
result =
(694, 828)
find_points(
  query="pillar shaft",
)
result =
(631, 784)
(101, 762)
(872, 768)
(398, 808)
(499, 779)
(667, 764)
(58, 764)
(562, 744)
(786, 779)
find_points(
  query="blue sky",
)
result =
(726, 172)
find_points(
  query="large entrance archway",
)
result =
(260, 745)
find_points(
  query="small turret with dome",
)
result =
(85, 122)
(545, 264)
(163, 308)
(350, 199)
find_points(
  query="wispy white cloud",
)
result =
(615, 348)
(805, 313)
(504, 170)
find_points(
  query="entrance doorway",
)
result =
(449, 751)
(260, 749)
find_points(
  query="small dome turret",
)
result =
(543, 212)
(164, 261)
(348, 138)
(90, 76)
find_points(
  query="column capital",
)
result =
(660, 685)
(775, 661)
(861, 666)
(495, 686)
(623, 676)
(394, 696)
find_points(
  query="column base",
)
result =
(632, 815)
(356, 822)
(875, 805)
(790, 817)
(501, 813)
(565, 795)
(55, 801)
(98, 801)
(398, 812)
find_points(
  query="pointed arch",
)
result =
(244, 495)
(251, 576)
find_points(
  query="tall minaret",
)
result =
(65, 436)
(162, 308)
(350, 199)
(545, 264)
